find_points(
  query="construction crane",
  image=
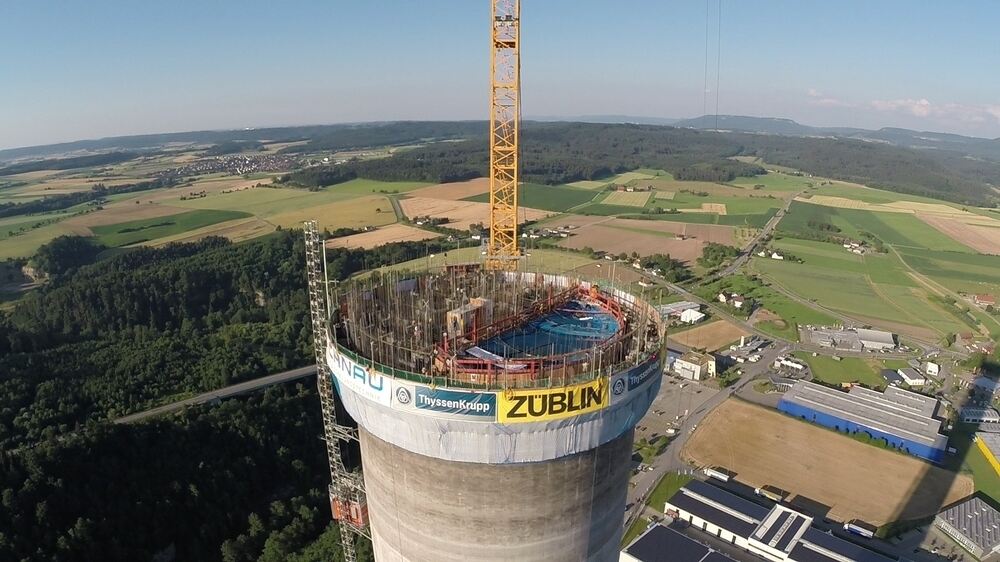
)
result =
(505, 123)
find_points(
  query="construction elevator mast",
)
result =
(505, 125)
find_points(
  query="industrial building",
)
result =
(876, 340)
(675, 309)
(974, 524)
(860, 339)
(775, 533)
(905, 419)
(989, 445)
(972, 414)
(695, 366)
(665, 544)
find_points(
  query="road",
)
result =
(750, 249)
(222, 393)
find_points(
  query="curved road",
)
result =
(219, 394)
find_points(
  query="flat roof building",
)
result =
(664, 544)
(676, 308)
(779, 533)
(906, 420)
(695, 366)
(989, 445)
(973, 524)
(876, 339)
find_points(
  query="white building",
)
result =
(692, 316)
(911, 377)
(932, 369)
(789, 363)
(876, 340)
(778, 534)
(695, 366)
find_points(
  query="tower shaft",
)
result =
(505, 124)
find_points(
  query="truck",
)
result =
(717, 473)
(772, 493)
(860, 528)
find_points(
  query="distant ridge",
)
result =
(921, 140)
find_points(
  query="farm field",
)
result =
(627, 199)
(134, 232)
(453, 191)
(546, 197)
(550, 261)
(381, 236)
(848, 369)
(711, 336)
(367, 187)
(775, 181)
(372, 210)
(765, 447)
(460, 214)
(646, 243)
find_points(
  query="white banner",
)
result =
(366, 382)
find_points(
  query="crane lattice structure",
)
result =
(505, 124)
(346, 486)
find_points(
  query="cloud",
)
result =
(920, 108)
(818, 99)
(947, 111)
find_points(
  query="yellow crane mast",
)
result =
(505, 124)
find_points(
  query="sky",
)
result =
(76, 70)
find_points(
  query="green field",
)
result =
(776, 182)
(899, 229)
(367, 187)
(635, 530)
(134, 232)
(665, 488)
(547, 197)
(847, 369)
(791, 312)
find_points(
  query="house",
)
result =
(984, 300)
(732, 299)
(932, 369)
(777, 256)
(695, 366)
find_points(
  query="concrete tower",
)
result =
(495, 410)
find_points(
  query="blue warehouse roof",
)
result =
(898, 412)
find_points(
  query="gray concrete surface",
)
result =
(427, 510)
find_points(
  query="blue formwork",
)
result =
(921, 450)
(573, 327)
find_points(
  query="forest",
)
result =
(556, 153)
(244, 480)
(107, 339)
(105, 159)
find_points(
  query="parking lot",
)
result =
(677, 398)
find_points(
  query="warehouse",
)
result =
(973, 524)
(778, 533)
(664, 544)
(876, 340)
(906, 420)
(675, 309)
(989, 445)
